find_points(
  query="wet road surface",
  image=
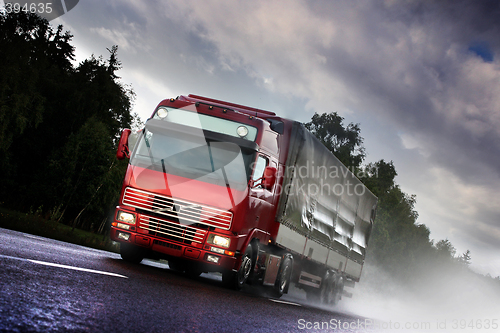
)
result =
(52, 286)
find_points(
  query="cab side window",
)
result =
(261, 164)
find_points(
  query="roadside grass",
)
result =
(36, 225)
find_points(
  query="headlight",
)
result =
(219, 240)
(125, 217)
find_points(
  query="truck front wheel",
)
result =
(131, 253)
(236, 280)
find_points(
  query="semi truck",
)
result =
(213, 186)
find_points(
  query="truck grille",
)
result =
(171, 230)
(176, 210)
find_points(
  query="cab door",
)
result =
(261, 199)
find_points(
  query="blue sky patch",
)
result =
(483, 50)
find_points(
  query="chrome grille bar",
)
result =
(170, 229)
(177, 209)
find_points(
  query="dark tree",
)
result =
(465, 258)
(345, 142)
(32, 55)
(59, 124)
(379, 177)
(445, 249)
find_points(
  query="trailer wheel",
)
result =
(327, 292)
(331, 292)
(131, 253)
(236, 280)
(283, 279)
(339, 289)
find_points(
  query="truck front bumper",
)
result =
(210, 260)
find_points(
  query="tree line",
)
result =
(59, 124)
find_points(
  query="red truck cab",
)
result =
(202, 184)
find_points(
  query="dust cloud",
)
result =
(449, 301)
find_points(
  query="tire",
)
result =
(255, 255)
(236, 280)
(327, 291)
(283, 279)
(339, 289)
(131, 253)
(331, 291)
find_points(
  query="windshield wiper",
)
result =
(146, 140)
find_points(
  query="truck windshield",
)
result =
(192, 155)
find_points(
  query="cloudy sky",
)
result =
(421, 77)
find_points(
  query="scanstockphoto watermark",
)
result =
(361, 324)
(49, 10)
(448, 325)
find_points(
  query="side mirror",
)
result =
(123, 149)
(269, 178)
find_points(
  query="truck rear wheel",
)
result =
(236, 280)
(131, 253)
(283, 280)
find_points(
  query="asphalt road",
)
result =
(52, 286)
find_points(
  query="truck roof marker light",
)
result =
(172, 100)
(224, 111)
(242, 131)
(250, 117)
(210, 107)
(162, 113)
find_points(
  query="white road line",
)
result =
(284, 302)
(76, 268)
(34, 237)
(65, 266)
